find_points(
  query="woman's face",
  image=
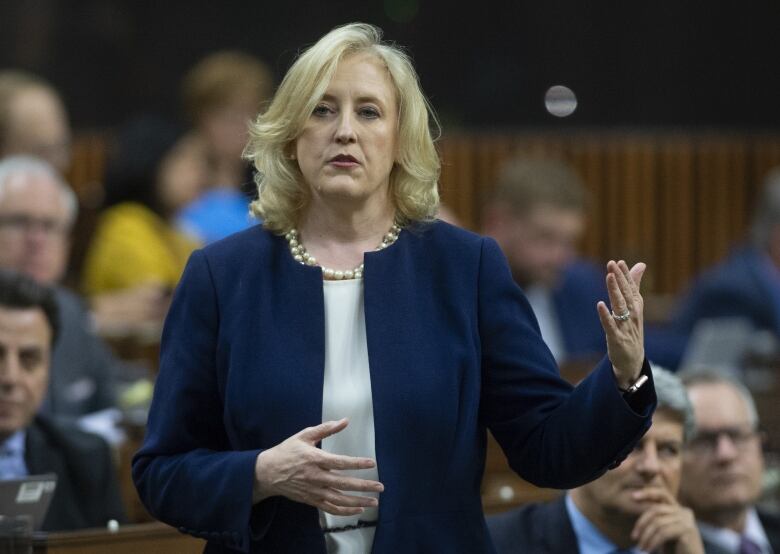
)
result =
(348, 146)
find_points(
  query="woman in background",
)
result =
(137, 256)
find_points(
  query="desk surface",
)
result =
(149, 538)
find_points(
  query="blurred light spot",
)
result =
(506, 493)
(560, 101)
(401, 11)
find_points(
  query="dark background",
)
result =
(483, 63)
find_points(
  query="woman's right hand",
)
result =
(298, 470)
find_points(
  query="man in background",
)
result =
(37, 210)
(723, 468)
(87, 493)
(631, 508)
(745, 286)
(33, 120)
(537, 214)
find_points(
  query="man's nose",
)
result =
(648, 463)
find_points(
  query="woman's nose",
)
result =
(345, 132)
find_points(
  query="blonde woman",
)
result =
(327, 379)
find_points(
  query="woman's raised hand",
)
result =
(624, 324)
(298, 470)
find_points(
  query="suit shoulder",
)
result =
(67, 436)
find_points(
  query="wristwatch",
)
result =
(635, 387)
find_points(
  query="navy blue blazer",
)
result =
(453, 349)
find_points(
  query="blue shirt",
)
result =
(12, 464)
(589, 539)
(216, 214)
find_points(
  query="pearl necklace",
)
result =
(301, 256)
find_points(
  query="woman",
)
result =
(137, 256)
(221, 93)
(354, 320)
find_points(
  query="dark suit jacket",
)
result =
(737, 287)
(453, 348)
(582, 285)
(543, 528)
(771, 525)
(87, 493)
(83, 369)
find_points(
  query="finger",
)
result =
(339, 510)
(646, 519)
(336, 498)
(607, 321)
(326, 460)
(637, 272)
(652, 529)
(344, 483)
(654, 494)
(315, 434)
(621, 276)
(616, 298)
(663, 530)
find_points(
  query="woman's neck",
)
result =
(339, 236)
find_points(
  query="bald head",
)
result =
(33, 120)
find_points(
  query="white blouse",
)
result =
(347, 393)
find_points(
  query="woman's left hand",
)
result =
(624, 324)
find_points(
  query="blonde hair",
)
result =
(282, 194)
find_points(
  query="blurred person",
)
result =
(746, 285)
(37, 211)
(136, 248)
(537, 214)
(724, 466)
(631, 508)
(87, 492)
(222, 93)
(33, 120)
(353, 320)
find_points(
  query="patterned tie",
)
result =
(746, 546)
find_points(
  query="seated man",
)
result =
(37, 210)
(745, 285)
(631, 507)
(537, 216)
(87, 494)
(723, 468)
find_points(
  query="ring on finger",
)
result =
(622, 317)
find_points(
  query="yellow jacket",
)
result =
(134, 246)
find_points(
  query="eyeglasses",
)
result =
(706, 442)
(20, 223)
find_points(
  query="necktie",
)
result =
(746, 546)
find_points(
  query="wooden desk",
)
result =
(149, 538)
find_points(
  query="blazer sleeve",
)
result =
(553, 434)
(186, 472)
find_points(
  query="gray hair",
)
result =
(706, 376)
(673, 397)
(766, 214)
(28, 166)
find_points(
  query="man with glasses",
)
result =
(37, 209)
(723, 468)
(632, 508)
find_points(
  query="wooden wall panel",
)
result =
(677, 200)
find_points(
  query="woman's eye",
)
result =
(322, 111)
(370, 113)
